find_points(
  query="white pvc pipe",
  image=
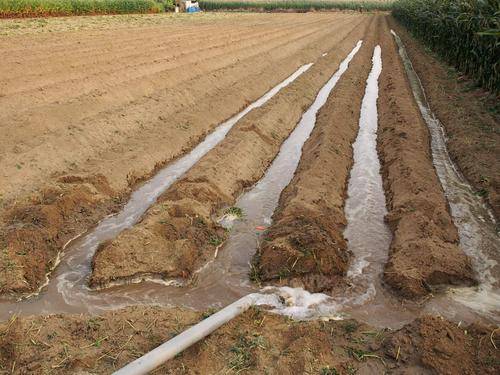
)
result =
(171, 348)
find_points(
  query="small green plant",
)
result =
(329, 371)
(351, 370)
(254, 274)
(482, 193)
(234, 211)
(242, 358)
(208, 312)
(350, 327)
(215, 241)
(283, 273)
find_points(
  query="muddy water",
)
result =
(67, 290)
(476, 225)
(368, 236)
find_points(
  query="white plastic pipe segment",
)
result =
(171, 348)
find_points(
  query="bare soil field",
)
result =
(83, 102)
(118, 231)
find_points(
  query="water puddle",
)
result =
(476, 225)
(68, 285)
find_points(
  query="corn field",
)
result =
(465, 33)
(40, 8)
(295, 5)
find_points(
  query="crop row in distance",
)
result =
(41, 8)
(298, 5)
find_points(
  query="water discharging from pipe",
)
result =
(476, 224)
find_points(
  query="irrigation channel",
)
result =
(225, 279)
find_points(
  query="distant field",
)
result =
(44, 8)
(271, 5)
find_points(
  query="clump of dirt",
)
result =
(424, 251)
(34, 231)
(470, 116)
(256, 342)
(180, 236)
(305, 245)
(179, 233)
(445, 347)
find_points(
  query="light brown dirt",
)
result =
(424, 251)
(305, 244)
(121, 101)
(254, 343)
(469, 115)
(179, 234)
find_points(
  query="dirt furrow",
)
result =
(84, 43)
(179, 234)
(143, 58)
(305, 244)
(469, 117)
(125, 46)
(56, 89)
(424, 252)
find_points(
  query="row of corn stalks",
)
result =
(38, 8)
(466, 33)
(296, 5)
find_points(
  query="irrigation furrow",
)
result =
(476, 224)
(305, 244)
(424, 252)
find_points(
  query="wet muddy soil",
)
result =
(256, 342)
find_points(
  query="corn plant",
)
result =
(466, 33)
(35, 8)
